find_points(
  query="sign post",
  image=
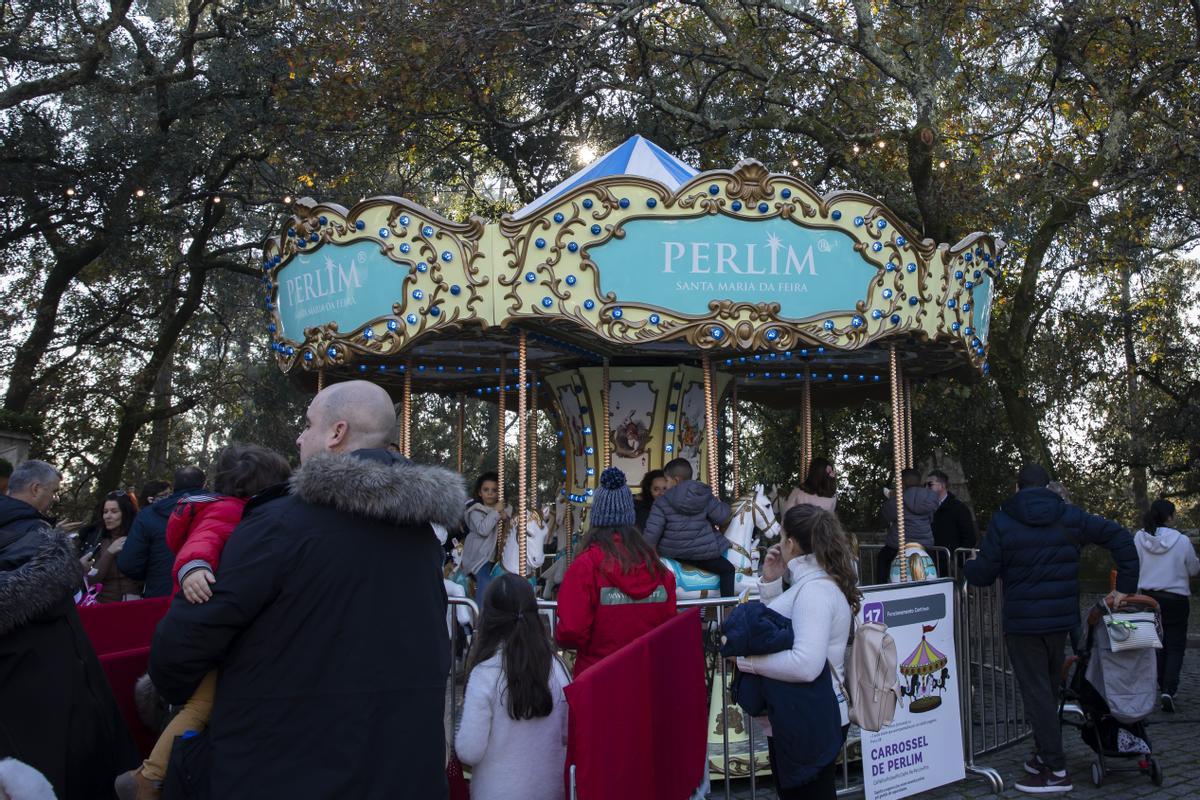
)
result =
(922, 748)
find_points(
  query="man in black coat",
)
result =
(145, 555)
(953, 523)
(327, 622)
(57, 713)
(1032, 545)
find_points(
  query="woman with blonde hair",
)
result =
(818, 557)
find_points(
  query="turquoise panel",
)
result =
(348, 284)
(683, 264)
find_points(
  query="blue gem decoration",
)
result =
(887, 294)
(271, 328)
(435, 311)
(301, 243)
(714, 189)
(828, 325)
(323, 220)
(558, 217)
(405, 247)
(877, 246)
(970, 285)
(763, 208)
(978, 274)
(591, 451)
(418, 294)
(651, 202)
(308, 356)
(716, 333)
(332, 352)
(404, 220)
(912, 301)
(362, 367)
(456, 290)
(572, 246)
(654, 318)
(951, 303)
(547, 302)
(670, 448)
(969, 331)
(772, 335)
(891, 267)
(895, 319)
(539, 243)
(314, 238)
(596, 230)
(587, 203)
(392, 325)
(617, 313)
(911, 267)
(360, 224)
(291, 231)
(670, 427)
(967, 257)
(411, 319)
(857, 322)
(881, 224)
(958, 276)
(786, 193)
(836, 215)
(589, 304)
(427, 231)
(954, 326)
(877, 314)
(966, 307)
(447, 256)
(422, 266)
(900, 240)
(624, 202)
(571, 280)
(737, 205)
(530, 277)
(858, 221)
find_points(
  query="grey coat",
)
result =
(919, 505)
(480, 545)
(683, 521)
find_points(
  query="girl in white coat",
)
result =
(1168, 561)
(513, 730)
(817, 556)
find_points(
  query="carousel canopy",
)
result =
(638, 260)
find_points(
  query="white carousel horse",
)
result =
(536, 532)
(750, 512)
(553, 575)
(454, 588)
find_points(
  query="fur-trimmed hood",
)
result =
(40, 583)
(379, 484)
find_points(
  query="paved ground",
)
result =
(1176, 739)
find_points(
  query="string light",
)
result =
(140, 193)
(216, 199)
(287, 198)
(795, 162)
(882, 144)
(855, 148)
(942, 164)
(1179, 187)
(1017, 176)
(71, 191)
(1095, 183)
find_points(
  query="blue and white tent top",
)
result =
(637, 156)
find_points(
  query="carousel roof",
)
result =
(925, 659)
(639, 260)
(637, 156)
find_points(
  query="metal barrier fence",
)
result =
(992, 713)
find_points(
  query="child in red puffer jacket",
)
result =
(197, 532)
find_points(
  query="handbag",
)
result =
(459, 788)
(1132, 630)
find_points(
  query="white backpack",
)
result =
(871, 684)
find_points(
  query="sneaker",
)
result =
(1046, 782)
(1035, 765)
(1168, 703)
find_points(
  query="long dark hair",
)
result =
(510, 622)
(819, 481)
(481, 480)
(632, 551)
(1160, 511)
(244, 470)
(819, 532)
(646, 497)
(128, 505)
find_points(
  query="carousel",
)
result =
(630, 303)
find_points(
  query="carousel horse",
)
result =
(536, 532)
(750, 512)
(453, 580)
(552, 577)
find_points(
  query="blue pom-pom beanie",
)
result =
(612, 504)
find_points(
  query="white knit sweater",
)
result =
(511, 759)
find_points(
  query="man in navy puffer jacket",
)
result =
(1032, 545)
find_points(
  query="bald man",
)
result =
(327, 620)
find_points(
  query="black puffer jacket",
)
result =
(57, 713)
(1032, 544)
(328, 627)
(682, 523)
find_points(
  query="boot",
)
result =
(133, 785)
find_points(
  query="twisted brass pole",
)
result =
(320, 379)
(806, 453)
(533, 442)
(406, 413)
(607, 390)
(909, 454)
(710, 425)
(500, 413)
(898, 459)
(462, 425)
(737, 482)
(522, 455)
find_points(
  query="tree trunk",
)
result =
(1137, 435)
(158, 456)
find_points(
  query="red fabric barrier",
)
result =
(120, 634)
(637, 722)
(114, 627)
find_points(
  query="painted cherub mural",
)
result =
(631, 437)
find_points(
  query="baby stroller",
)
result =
(1114, 693)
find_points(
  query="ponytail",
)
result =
(817, 531)
(1160, 511)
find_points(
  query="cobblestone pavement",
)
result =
(1176, 739)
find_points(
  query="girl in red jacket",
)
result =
(197, 532)
(616, 589)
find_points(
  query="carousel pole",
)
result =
(522, 455)
(500, 454)
(462, 425)
(898, 456)
(710, 424)
(321, 379)
(604, 424)
(406, 413)
(806, 422)
(909, 455)
(533, 443)
(737, 489)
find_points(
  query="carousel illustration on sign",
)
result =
(923, 673)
